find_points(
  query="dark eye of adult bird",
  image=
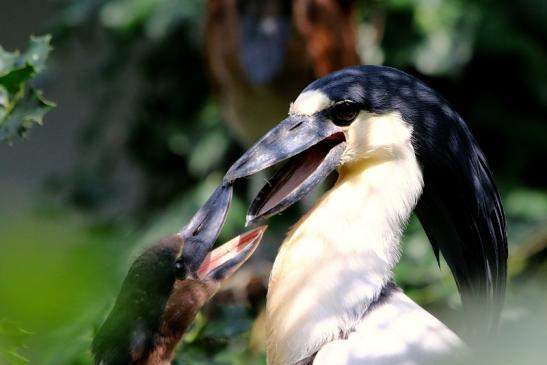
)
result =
(343, 113)
(331, 298)
(168, 284)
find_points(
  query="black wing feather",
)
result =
(461, 212)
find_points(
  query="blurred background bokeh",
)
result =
(156, 98)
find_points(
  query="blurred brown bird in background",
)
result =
(261, 53)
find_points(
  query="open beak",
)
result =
(224, 260)
(315, 146)
(201, 233)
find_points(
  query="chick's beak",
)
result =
(201, 233)
(223, 261)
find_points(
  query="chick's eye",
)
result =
(181, 271)
(344, 113)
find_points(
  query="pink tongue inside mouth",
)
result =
(295, 171)
(229, 250)
(307, 163)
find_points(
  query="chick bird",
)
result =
(168, 284)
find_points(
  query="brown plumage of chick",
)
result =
(168, 284)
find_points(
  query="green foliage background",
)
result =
(65, 249)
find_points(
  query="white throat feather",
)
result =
(336, 260)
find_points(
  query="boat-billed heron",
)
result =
(168, 284)
(398, 147)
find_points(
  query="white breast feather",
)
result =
(397, 332)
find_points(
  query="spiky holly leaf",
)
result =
(28, 111)
(21, 105)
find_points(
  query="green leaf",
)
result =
(14, 80)
(34, 57)
(7, 61)
(28, 111)
(22, 106)
(38, 51)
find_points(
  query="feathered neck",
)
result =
(338, 257)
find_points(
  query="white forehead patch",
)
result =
(310, 102)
